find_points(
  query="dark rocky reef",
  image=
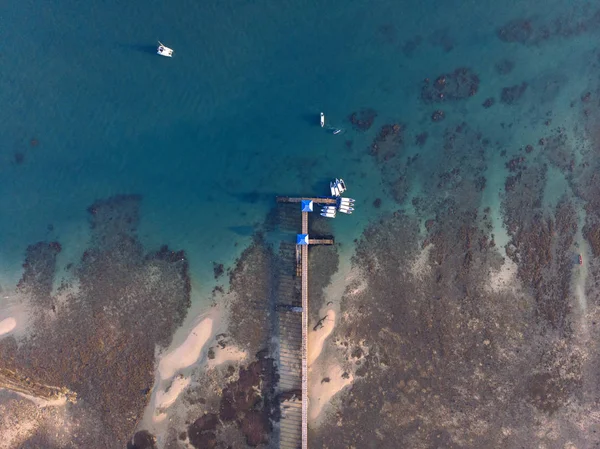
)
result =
(363, 119)
(252, 282)
(249, 403)
(38, 275)
(537, 30)
(438, 116)
(99, 341)
(558, 151)
(439, 338)
(386, 149)
(489, 102)
(142, 440)
(460, 84)
(511, 95)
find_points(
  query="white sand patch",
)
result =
(14, 306)
(7, 325)
(321, 393)
(321, 358)
(159, 417)
(188, 352)
(505, 278)
(167, 397)
(420, 268)
(316, 339)
(228, 354)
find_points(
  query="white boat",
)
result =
(347, 211)
(337, 131)
(328, 214)
(345, 207)
(335, 191)
(341, 185)
(164, 50)
(346, 201)
(322, 120)
(328, 209)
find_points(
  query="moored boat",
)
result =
(335, 191)
(328, 214)
(163, 50)
(322, 120)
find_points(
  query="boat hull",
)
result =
(164, 50)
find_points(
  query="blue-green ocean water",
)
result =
(210, 136)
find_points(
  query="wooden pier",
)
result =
(294, 420)
(305, 334)
(320, 241)
(316, 200)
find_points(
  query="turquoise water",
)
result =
(211, 135)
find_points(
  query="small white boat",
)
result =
(346, 201)
(322, 120)
(328, 214)
(335, 191)
(328, 209)
(164, 50)
(347, 211)
(341, 185)
(337, 131)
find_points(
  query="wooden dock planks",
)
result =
(316, 200)
(305, 335)
(321, 242)
(294, 345)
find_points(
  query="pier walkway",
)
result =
(316, 200)
(293, 328)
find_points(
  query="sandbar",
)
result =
(316, 339)
(188, 352)
(165, 399)
(7, 325)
